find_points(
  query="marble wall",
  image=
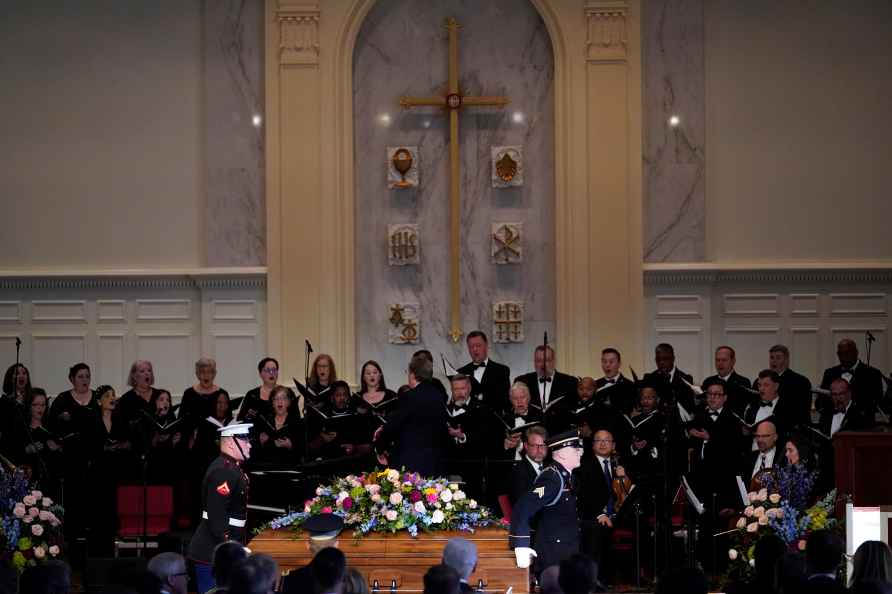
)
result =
(235, 208)
(402, 50)
(675, 156)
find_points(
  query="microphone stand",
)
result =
(869, 339)
(307, 351)
(665, 538)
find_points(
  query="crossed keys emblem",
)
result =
(408, 327)
(506, 245)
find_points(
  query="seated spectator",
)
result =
(170, 568)
(871, 587)
(682, 580)
(767, 554)
(256, 574)
(355, 582)
(549, 580)
(226, 556)
(441, 579)
(872, 563)
(823, 555)
(461, 555)
(578, 575)
(52, 577)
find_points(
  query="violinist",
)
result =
(603, 488)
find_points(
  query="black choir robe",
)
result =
(621, 394)
(866, 383)
(562, 386)
(738, 389)
(493, 389)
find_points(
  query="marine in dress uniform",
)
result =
(557, 533)
(224, 501)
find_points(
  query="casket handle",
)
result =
(375, 587)
(393, 586)
(481, 585)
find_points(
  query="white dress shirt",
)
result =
(767, 457)
(479, 371)
(838, 418)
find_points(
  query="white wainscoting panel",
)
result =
(698, 307)
(109, 319)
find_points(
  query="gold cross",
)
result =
(453, 101)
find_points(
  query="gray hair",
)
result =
(164, 565)
(461, 555)
(205, 362)
(520, 387)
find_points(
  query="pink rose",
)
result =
(391, 515)
(33, 512)
(54, 550)
(779, 512)
(763, 520)
(376, 498)
(759, 512)
(46, 502)
(347, 503)
(763, 494)
(326, 509)
(36, 494)
(44, 516)
(19, 510)
(29, 500)
(39, 552)
(752, 527)
(36, 529)
(741, 523)
(774, 498)
(748, 512)
(27, 519)
(396, 498)
(732, 554)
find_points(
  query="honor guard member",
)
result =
(224, 501)
(557, 534)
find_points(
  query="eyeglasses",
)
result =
(603, 441)
(271, 370)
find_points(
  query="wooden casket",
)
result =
(400, 560)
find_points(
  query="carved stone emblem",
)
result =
(507, 166)
(507, 321)
(402, 244)
(402, 167)
(506, 243)
(405, 327)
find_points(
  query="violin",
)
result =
(622, 485)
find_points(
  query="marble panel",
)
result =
(504, 49)
(235, 208)
(674, 131)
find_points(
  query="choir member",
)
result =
(672, 384)
(795, 387)
(515, 421)
(280, 436)
(204, 443)
(17, 383)
(16, 387)
(374, 398)
(162, 433)
(323, 375)
(335, 428)
(845, 415)
(257, 400)
(139, 401)
(587, 412)
(490, 380)
(467, 435)
(769, 404)
(526, 470)
(644, 436)
(738, 390)
(614, 388)
(200, 398)
(865, 381)
(547, 386)
(41, 450)
(73, 410)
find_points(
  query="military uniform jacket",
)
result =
(225, 508)
(557, 533)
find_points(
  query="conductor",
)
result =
(224, 501)
(557, 534)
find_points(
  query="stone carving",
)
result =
(507, 321)
(607, 37)
(298, 35)
(398, 157)
(405, 327)
(507, 166)
(402, 244)
(506, 239)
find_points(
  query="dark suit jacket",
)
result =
(594, 491)
(855, 419)
(561, 385)
(796, 388)
(621, 396)
(821, 585)
(493, 390)
(674, 391)
(716, 461)
(299, 581)
(415, 433)
(522, 478)
(738, 391)
(866, 384)
(748, 462)
(784, 415)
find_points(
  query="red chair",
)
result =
(505, 506)
(131, 517)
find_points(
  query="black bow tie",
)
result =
(713, 414)
(544, 380)
(610, 381)
(763, 403)
(476, 365)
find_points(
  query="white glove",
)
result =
(524, 556)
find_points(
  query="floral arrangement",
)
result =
(31, 528)
(794, 526)
(391, 501)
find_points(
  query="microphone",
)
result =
(870, 337)
(18, 342)
(309, 346)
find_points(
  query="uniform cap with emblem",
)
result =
(235, 430)
(567, 439)
(324, 526)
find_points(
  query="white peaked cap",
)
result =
(235, 429)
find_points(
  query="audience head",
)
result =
(549, 580)
(323, 372)
(682, 580)
(441, 579)
(461, 555)
(520, 398)
(534, 446)
(602, 443)
(778, 358)
(841, 394)
(585, 389)
(716, 396)
(371, 378)
(256, 574)
(226, 555)
(340, 394)
(329, 569)
(872, 562)
(420, 369)
(170, 568)
(766, 435)
(79, 376)
(769, 382)
(725, 359)
(478, 346)
(17, 380)
(871, 587)
(52, 577)
(823, 552)
(461, 388)
(578, 575)
(268, 368)
(543, 360)
(798, 450)
(142, 374)
(847, 353)
(355, 582)
(610, 362)
(664, 357)
(791, 572)
(206, 371)
(767, 554)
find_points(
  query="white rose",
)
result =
(419, 507)
(759, 512)
(342, 496)
(44, 516)
(36, 494)
(763, 520)
(54, 550)
(306, 509)
(446, 496)
(732, 554)
(36, 529)
(774, 498)
(763, 494)
(396, 498)
(39, 552)
(393, 475)
(752, 496)
(453, 486)
(318, 490)
(458, 496)
(779, 512)
(437, 517)
(449, 506)
(437, 505)
(472, 504)
(741, 523)
(391, 515)
(46, 502)
(748, 512)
